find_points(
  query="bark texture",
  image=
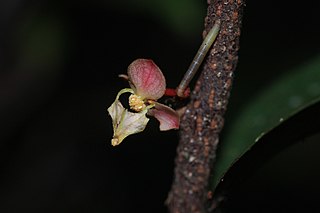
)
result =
(203, 118)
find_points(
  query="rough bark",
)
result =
(203, 118)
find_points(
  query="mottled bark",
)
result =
(203, 118)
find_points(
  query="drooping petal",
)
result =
(146, 79)
(168, 118)
(115, 111)
(125, 123)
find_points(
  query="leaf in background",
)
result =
(183, 17)
(275, 104)
(274, 157)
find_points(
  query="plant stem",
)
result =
(197, 60)
(203, 118)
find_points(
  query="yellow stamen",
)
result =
(136, 103)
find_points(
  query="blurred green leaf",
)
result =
(289, 149)
(41, 41)
(292, 92)
(181, 16)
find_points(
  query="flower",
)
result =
(147, 86)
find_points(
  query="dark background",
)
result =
(59, 62)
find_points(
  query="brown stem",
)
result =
(203, 118)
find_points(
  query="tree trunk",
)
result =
(203, 118)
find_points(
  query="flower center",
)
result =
(136, 103)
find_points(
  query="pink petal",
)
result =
(168, 118)
(146, 79)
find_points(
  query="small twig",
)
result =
(203, 117)
(198, 58)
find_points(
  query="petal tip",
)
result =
(115, 141)
(168, 118)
